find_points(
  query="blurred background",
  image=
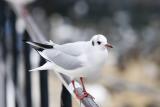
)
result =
(131, 75)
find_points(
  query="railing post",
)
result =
(4, 50)
(66, 99)
(43, 85)
(26, 53)
(12, 19)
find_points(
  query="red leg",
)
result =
(76, 93)
(73, 84)
(84, 89)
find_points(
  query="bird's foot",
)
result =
(84, 95)
(88, 94)
(81, 97)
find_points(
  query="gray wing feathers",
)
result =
(64, 60)
(74, 49)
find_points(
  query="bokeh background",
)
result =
(131, 75)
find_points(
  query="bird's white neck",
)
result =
(97, 56)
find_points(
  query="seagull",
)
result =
(77, 60)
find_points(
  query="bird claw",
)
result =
(85, 94)
(88, 94)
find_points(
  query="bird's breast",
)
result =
(97, 63)
(98, 58)
(92, 63)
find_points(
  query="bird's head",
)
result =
(100, 41)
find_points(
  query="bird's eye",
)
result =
(98, 42)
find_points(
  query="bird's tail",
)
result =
(40, 46)
(46, 66)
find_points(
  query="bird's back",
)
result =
(75, 48)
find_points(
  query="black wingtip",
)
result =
(38, 46)
(45, 46)
(24, 40)
(38, 49)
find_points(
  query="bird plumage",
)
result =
(73, 59)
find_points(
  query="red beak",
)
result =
(108, 45)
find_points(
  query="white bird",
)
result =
(77, 60)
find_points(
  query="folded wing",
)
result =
(65, 55)
(74, 49)
(64, 60)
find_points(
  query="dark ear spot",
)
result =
(92, 43)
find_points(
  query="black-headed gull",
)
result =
(77, 60)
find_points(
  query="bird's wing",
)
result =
(74, 49)
(64, 60)
(65, 55)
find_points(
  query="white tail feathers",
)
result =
(51, 66)
(46, 66)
